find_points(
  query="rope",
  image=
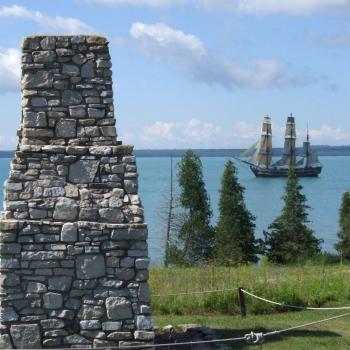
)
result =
(227, 340)
(306, 324)
(194, 293)
(250, 338)
(294, 306)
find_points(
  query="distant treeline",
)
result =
(321, 150)
(150, 153)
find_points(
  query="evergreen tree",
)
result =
(196, 236)
(234, 239)
(289, 239)
(343, 246)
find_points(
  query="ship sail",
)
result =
(264, 153)
(260, 158)
(250, 151)
(289, 154)
(310, 157)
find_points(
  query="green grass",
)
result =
(308, 285)
(331, 335)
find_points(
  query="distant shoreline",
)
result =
(224, 152)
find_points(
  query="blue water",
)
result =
(263, 196)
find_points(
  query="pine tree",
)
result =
(343, 246)
(196, 236)
(289, 239)
(234, 240)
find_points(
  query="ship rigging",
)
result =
(260, 158)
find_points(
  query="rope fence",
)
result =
(295, 306)
(195, 293)
(252, 338)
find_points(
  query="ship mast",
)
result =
(264, 154)
(289, 153)
(306, 147)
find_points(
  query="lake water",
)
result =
(263, 196)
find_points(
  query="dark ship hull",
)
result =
(283, 172)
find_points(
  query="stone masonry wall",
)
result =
(73, 243)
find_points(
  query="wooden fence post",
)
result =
(242, 302)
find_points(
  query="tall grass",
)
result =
(302, 286)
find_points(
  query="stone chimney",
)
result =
(74, 259)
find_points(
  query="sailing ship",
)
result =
(260, 154)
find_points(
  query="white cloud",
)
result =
(191, 133)
(151, 3)
(10, 60)
(197, 133)
(272, 7)
(245, 7)
(68, 25)
(330, 135)
(162, 42)
(159, 130)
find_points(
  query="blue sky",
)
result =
(200, 73)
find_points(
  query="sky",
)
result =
(200, 73)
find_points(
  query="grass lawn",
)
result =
(333, 334)
(317, 286)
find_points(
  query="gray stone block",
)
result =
(124, 274)
(120, 336)
(96, 113)
(52, 300)
(34, 119)
(77, 112)
(66, 128)
(142, 263)
(48, 43)
(90, 266)
(39, 102)
(44, 56)
(130, 186)
(88, 69)
(144, 293)
(76, 339)
(26, 336)
(118, 308)
(10, 248)
(111, 325)
(37, 214)
(66, 209)
(9, 263)
(39, 79)
(36, 287)
(91, 312)
(144, 322)
(8, 314)
(113, 215)
(69, 232)
(71, 70)
(143, 335)
(91, 324)
(71, 97)
(52, 323)
(83, 171)
(60, 283)
(42, 255)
